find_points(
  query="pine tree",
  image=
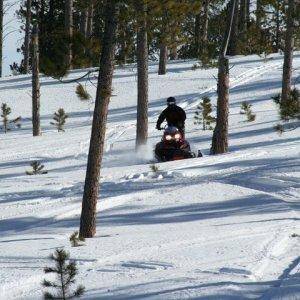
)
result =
(66, 273)
(82, 93)
(6, 111)
(37, 169)
(60, 119)
(203, 114)
(246, 110)
(76, 240)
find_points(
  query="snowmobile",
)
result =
(173, 146)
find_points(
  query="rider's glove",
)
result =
(158, 127)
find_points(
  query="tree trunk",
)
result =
(243, 19)
(84, 21)
(36, 123)
(201, 29)
(91, 187)
(90, 23)
(204, 28)
(142, 68)
(233, 40)
(27, 37)
(1, 35)
(288, 53)
(259, 12)
(69, 30)
(220, 135)
(173, 52)
(163, 57)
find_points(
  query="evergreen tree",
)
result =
(5, 112)
(246, 110)
(203, 114)
(60, 119)
(66, 273)
(37, 169)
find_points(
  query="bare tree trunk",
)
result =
(220, 135)
(173, 52)
(288, 53)
(69, 30)
(84, 21)
(27, 36)
(1, 35)
(204, 27)
(259, 12)
(201, 29)
(36, 123)
(90, 23)
(243, 19)
(91, 187)
(163, 57)
(233, 40)
(142, 67)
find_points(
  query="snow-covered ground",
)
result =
(217, 227)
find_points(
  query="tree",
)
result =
(69, 30)
(66, 274)
(59, 118)
(36, 122)
(288, 53)
(91, 187)
(27, 37)
(142, 68)
(220, 135)
(5, 112)
(1, 35)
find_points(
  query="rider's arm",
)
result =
(183, 115)
(161, 118)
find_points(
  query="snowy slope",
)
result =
(217, 227)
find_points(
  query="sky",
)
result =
(13, 38)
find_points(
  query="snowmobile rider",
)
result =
(173, 114)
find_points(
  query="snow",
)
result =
(217, 227)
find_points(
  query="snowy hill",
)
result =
(217, 227)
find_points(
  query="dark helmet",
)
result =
(171, 100)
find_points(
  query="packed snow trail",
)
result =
(223, 227)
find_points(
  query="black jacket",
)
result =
(174, 115)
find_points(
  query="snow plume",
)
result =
(145, 153)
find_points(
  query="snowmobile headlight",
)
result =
(177, 136)
(168, 137)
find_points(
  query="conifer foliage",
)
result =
(289, 109)
(76, 240)
(203, 114)
(37, 169)
(82, 93)
(66, 273)
(246, 110)
(60, 118)
(5, 112)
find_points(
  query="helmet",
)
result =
(171, 100)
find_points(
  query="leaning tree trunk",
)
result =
(204, 28)
(259, 12)
(1, 35)
(91, 187)
(142, 68)
(243, 19)
(84, 21)
(197, 34)
(69, 31)
(220, 135)
(36, 122)
(163, 58)
(288, 53)
(27, 36)
(233, 40)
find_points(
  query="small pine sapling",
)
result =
(289, 109)
(246, 110)
(82, 93)
(66, 273)
(154, 168)
(76, 240)
(60, 119)
(203, 114)
(279, 128)
(6, 110)
(37, 169)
